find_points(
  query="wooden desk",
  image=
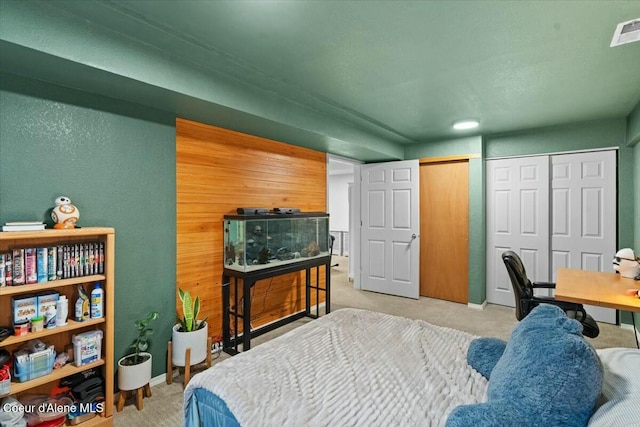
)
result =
(596, 288)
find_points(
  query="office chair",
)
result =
(526, 300)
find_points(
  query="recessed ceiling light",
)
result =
(466, 124)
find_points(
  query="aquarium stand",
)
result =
(231, 315)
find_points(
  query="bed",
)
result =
(353, 368)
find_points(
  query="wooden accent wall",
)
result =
(219, 170)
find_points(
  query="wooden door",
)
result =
(444, 225)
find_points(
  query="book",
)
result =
(30, 266)
(43, 265)
(8, 269)
(52, 263)
(14, 226)
(18, 267)
(3, 281)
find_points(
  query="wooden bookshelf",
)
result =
(61, 336)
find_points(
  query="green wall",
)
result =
(116, 161)
(636, 183)
(633, 126)
(634, 123)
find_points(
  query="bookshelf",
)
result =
(61, 336)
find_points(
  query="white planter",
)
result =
(131, 377)
(196, 340)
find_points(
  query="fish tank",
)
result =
(260, 241)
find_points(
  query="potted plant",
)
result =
(134, 370)
(189, 332)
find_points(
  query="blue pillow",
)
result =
(548, 375)
(484, 353)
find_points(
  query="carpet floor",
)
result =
(164, 408)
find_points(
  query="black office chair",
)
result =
(527, 301)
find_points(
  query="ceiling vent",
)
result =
(626, 32)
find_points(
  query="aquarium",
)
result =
(256, 242)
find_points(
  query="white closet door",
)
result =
(517, 220)
(583, 219)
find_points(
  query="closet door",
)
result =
(517, 220)
(444, 230)
(583, 218)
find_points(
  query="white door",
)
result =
(517, 220)
(583, 219)
(391, 228)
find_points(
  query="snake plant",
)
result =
(190, 309)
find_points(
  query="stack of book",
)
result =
(23, 226)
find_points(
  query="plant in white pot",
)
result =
(134, 370)
(189, 334)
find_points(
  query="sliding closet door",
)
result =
(558, 216)
(517, 220)
(583, 229)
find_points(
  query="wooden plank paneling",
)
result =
(217, 171)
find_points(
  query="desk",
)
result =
(235, 312)
(596, 288)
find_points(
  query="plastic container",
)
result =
(62, 308)
(36, 366)
(50, 317)
(21, 329)
(37, 323)
(87, 347)
(97, 302)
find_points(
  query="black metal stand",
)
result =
(230, 313)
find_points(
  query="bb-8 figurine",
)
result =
(65, 214)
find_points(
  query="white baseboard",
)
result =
(477, 306)
(162, 378)
(630, 327)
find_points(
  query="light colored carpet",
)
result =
(164, 408)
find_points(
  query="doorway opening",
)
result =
(342, 194)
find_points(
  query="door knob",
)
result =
(413, 236)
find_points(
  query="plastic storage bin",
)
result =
(87, 347)
(37, 365)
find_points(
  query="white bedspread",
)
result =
(349, 368)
